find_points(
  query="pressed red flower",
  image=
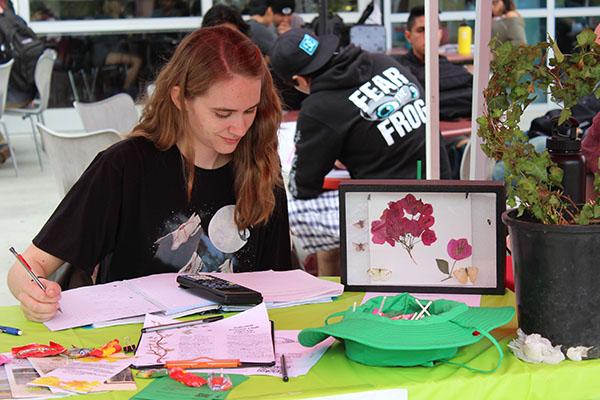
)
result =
(413, 227)
(428, 237)
(379, 232)
(404, 221)
(427, 209)
(411, 204)
(459, 249)
(426, 221)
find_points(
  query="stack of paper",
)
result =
(117, 302)
(127, 302)
(286, 288)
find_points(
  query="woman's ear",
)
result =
(175, 93)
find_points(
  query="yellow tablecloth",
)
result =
(334, 373)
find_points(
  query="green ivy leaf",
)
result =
(443, 266)
(596, 211)
(586, 38)
(564, 115)
(560, 57)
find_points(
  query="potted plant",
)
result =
(555, 242)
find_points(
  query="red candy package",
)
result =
(109, 348)
(186, 378)
(37, 350)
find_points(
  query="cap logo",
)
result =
(286, 10)
(308, 44)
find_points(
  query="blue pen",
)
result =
(10, 331)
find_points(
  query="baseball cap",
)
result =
(377, 340)
(285, 7)
(300, 52)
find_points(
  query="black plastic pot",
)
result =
(557, 281)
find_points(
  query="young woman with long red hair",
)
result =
(196, 187)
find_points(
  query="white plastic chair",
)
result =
(43, 79)
(70, 154)
(4, 77)
(117, 112)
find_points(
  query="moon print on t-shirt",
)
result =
(188, 249)
(224, 233)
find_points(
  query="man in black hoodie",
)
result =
(365, 110)
(456, 83)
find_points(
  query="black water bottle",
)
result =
(565, 150)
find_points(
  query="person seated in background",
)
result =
(262, 30)
(507, 24)
(284, 17)
(196, 187)
(221, 14)
(108, 49)
(170, 8)
(455, 82)
(590, 145)
(363, 109)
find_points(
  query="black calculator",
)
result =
(220, 290)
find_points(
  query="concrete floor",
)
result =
(26, 202)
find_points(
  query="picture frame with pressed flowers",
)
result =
(422, 236)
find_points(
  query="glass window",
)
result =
(524, 4)
(304, 6)
(93, 67)
(568, 28)
(577, 3)
(111, 9)
(535, 30)
(404, 6)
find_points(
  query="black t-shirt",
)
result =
(129, 212)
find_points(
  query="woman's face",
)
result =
(221, 117)
(497, 8)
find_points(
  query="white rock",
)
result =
(535, 349)
(578, 353)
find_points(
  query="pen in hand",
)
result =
(29, 270)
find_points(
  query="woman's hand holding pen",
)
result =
(39, 300)
(37, 304)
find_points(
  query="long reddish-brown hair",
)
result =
(204, 57)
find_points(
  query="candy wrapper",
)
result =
(108, 349)
(186, 378)
(152, 373)
(37, 350)
(219, 382)
(78, 352)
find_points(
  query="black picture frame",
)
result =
(471, 209)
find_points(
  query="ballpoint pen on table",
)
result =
(181, 324)
(25, 265)
(284, 372)
(10, 331)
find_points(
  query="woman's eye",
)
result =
(221, 115)
(251, 111)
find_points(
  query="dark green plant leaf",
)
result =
(560, 57)
(443, 266)
(586, 38)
